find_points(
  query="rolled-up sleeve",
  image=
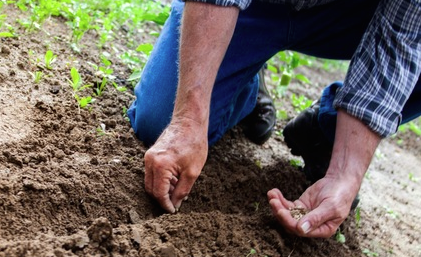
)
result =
(241, 4)
(385, 68)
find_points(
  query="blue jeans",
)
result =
(329, 31)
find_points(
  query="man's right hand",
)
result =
(174, 162)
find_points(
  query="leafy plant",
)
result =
(49, 58)
(37, 76)
(285, 63)
(77, 85)
(296, 163)
(339, 237)
(300, 103)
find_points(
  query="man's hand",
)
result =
(329, 199)
(174, 163)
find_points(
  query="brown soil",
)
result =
(68, 190)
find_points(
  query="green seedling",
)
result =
(6, 34)
(101, 130)
(289, 62)
(256, 206)
(300, 103)
(357, 216)
(296, 163)
(370, 253)
(339, 237)
(83, 101)
(105, 73)
(49, 58)
(77, 86)
(145, 48)
(413, 178)
(258, 164)
(252, 251)
(119, 88)
(391, 213)
(37, 76)
(100, 88)
(415, 128)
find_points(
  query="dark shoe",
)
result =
(258, 125)
(305, 138)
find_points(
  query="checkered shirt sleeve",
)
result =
(385, 68)
(241, 4)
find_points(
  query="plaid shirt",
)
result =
(385, 67)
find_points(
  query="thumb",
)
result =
(320, 222)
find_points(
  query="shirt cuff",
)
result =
(241, 4)
(372, 111)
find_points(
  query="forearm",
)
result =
(353, 150)
(205, 34)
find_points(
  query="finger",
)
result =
(277, 194)
(161, 189)
(283, 215)
(321, 222)
(174, 180)
(183, 188)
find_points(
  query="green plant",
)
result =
(357, 216)
(369, 253)
(77, 85)
(37, 76)
(300, 103)
(256, 206)
(339, 237)
(285, 63)
(49, 58)
(296, 163)
(252, 251)
(413, 178)
(391, 213)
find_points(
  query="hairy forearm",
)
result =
(206, 31)
(353, 149)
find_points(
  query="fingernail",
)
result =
(305, 227)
